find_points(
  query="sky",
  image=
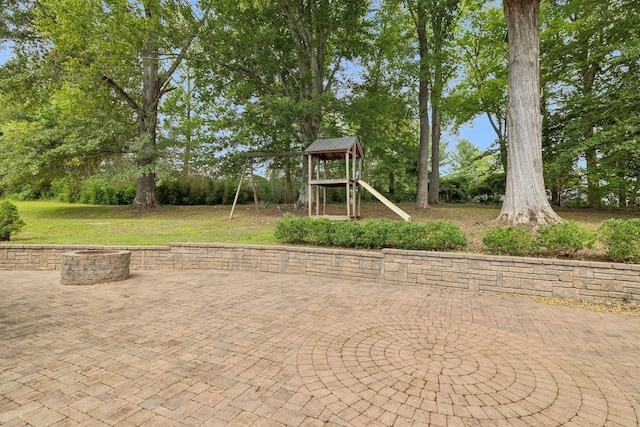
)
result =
(478, 132)
(4, 55)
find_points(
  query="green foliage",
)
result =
(320, 232)
(513, 240)
(402, 235)
(113, 189)
(565, 239)
(10, 221)
(455, 188)
(376, 234)
(66, 190)
(440, 235)
(104, 191)
(622, 239)
(589, 72)
(291, 229)
(443, 235)
(490, 188)
(346, 234)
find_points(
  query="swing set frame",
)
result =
(248, 164)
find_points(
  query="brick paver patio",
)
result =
(256, 349)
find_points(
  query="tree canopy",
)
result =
(150, 90)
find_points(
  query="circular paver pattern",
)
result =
(390, 366)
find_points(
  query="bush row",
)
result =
(375, 234)
(180, 190)
(621, 238)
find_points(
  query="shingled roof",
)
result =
(335, 148)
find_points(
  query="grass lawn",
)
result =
(50, 222)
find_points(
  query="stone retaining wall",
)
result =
(478, 272)
(48, 257)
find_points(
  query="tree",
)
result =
(418, 11)
(589, 66)
(525, 200)
(284, 71)
(468, 160)
(15, 19)
(481, 87)
(443, 16)
(381, 110)
(137, 49)
(434, 21)
(184, 128)
(53, 124)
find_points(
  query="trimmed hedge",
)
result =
(622, 239)
(375, 234)
(565, 239)
(511, 240)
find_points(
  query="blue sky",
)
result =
(479, 132)
(4, 55)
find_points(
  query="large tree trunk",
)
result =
(525, 201)
(422, 199)
(436, 132)
(434, 184)
(310, 35)
(189, 134)
(594, 198)
(147, 124)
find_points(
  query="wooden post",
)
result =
(324, 188)
(253, 186)
(309, 177)
(235, 199)
(318, 188)
(353, 182)
(359, 189)
(348, 184)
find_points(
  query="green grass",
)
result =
(50, 222)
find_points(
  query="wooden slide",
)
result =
(388, 203)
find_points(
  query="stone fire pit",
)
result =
(90, 267)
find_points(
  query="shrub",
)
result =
(400, 235)
(291, 229)
(66, 189)
(99, 190)
(346, 234)
(510, 241)
(622, 239)
(455, 188)
(443, 235)
(565, 239)
(374, 234)
(10, 221)
(319, 231)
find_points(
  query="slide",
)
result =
(388, 203)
